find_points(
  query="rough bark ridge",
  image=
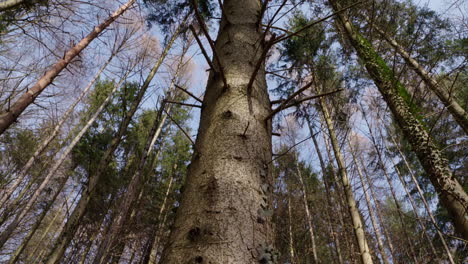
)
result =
(224, 211)
(451, 193)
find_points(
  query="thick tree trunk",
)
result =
(10, 115)
(224, 211)
(52, 172)
(375, 225)
(451, 193)
(328, 195)
(358, 226)
(23, 173)
(458, 113)
(72, 224)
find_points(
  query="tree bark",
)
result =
(328, 195)
(10, 4)
(72, 224)
(373, 219)
(451, 193)
(9, 116)
(358, 226)
(307, 210)
(224, 212)
(458, 113)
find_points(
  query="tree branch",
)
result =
(189, 93)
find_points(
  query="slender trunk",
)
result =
(346, 229)
(20, 215)
(451, 193)
(10, 4)
(353, 210)
(307, 210)
(328, 195)
(10, 115)
(458, 113)
(224, 212)
(415, 210)
(292, 257)
(23, 173)
(150, 257)
(129, 197)
(9, 208)
(379, 212)
(38, 222)
(88, 248)
(423, 198)
(72, 224)
(375, 225)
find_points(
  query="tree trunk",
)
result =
(292, 250)
(224, 213)
(20, 215)
(130, 195)
(10, 115)
(458, 113)
(328, 195)
(307, 210)
(46, 142)
(423, 198)
(10, 4)
(72, 224)
(38, 222)
(373, 219)
(451, 193)
(353, 210)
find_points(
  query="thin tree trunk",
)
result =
(224, 211)
(307, 210)
(150, 257)
(415, 210)
(46, 142)
(38, 222)
(379, 212)
(458, 113)
(10, 115)
(129, 196)
(10, 4)
(328, 195)
(346, 231)
(353, 210)
(423, 198)
(72, 224)
(373, 219)
(451, 193)
(292, 255)
(20, 215)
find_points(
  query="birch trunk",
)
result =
(10, 115)
(52, 172)
(451, 193)
(46, 142)
(224, 212)
(458, 113)
(9, 4)
(72, 224)
(358, 226)
(292, 255)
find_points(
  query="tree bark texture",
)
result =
(224, 216)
